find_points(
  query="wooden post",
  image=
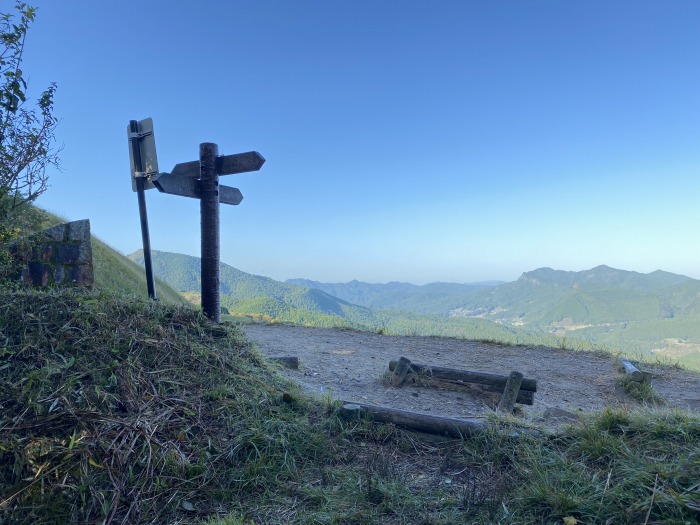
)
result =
(510, 393)
(209, 213)
(401, 371)
(633, 371)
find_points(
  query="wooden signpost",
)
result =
(198, 179)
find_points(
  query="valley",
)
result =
(653, 316)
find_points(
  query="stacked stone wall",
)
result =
(61, 255)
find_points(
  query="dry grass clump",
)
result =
(114, 410)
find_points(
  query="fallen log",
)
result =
(445, 426)
(635, 373)
(466, 376)
(510, 393)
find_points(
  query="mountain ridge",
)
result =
(603, 306)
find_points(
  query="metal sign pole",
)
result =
(140, 191)
(209, 212)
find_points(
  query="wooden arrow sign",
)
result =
(239, 163)
(178, 184)
(229, 195)
(225, 165)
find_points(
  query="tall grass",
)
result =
(115, 410)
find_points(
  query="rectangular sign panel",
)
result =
(147, 146)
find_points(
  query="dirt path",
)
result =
(349, 365)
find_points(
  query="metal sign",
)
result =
(146, 142)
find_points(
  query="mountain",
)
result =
(433, 298)
(624, 311)
(628, 311)
(261, 297)
(599, 295)
(245, 293)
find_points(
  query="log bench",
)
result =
(489, 382)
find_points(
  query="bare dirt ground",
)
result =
(351, 366)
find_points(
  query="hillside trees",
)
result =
(26, 130)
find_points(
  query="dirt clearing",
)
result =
(350, 366)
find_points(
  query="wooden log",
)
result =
(510, 393)
(632, 371)
(445, 426)
(467, 376)
(525, 397)
(401, 371)
(287, 361)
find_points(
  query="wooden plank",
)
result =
(510, 393)
(467, 376)
(525, 397)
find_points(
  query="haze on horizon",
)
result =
(405, 141)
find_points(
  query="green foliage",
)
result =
(26, 133)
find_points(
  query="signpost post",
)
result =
(198, 179)
(144, 164)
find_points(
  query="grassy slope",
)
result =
(113, 271)
(116, 410)
(116, 273)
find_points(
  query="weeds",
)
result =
(641, 391)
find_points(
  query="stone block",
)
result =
(81, 275)
(79, 230)
(42, 252)
(55, 233)
(59, 255)
(59, 274)
(39, 274)
(85, 252)
(67, 254)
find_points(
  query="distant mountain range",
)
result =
(433, 298)
(600, 295)
(619, 309)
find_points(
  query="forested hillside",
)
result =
(616, 309)
(433, 298)
(266, 299)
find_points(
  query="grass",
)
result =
(116, 273)
(643, 392)
(116, 410)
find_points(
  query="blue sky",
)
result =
(405, 141)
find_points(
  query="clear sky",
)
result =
(412, 141)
